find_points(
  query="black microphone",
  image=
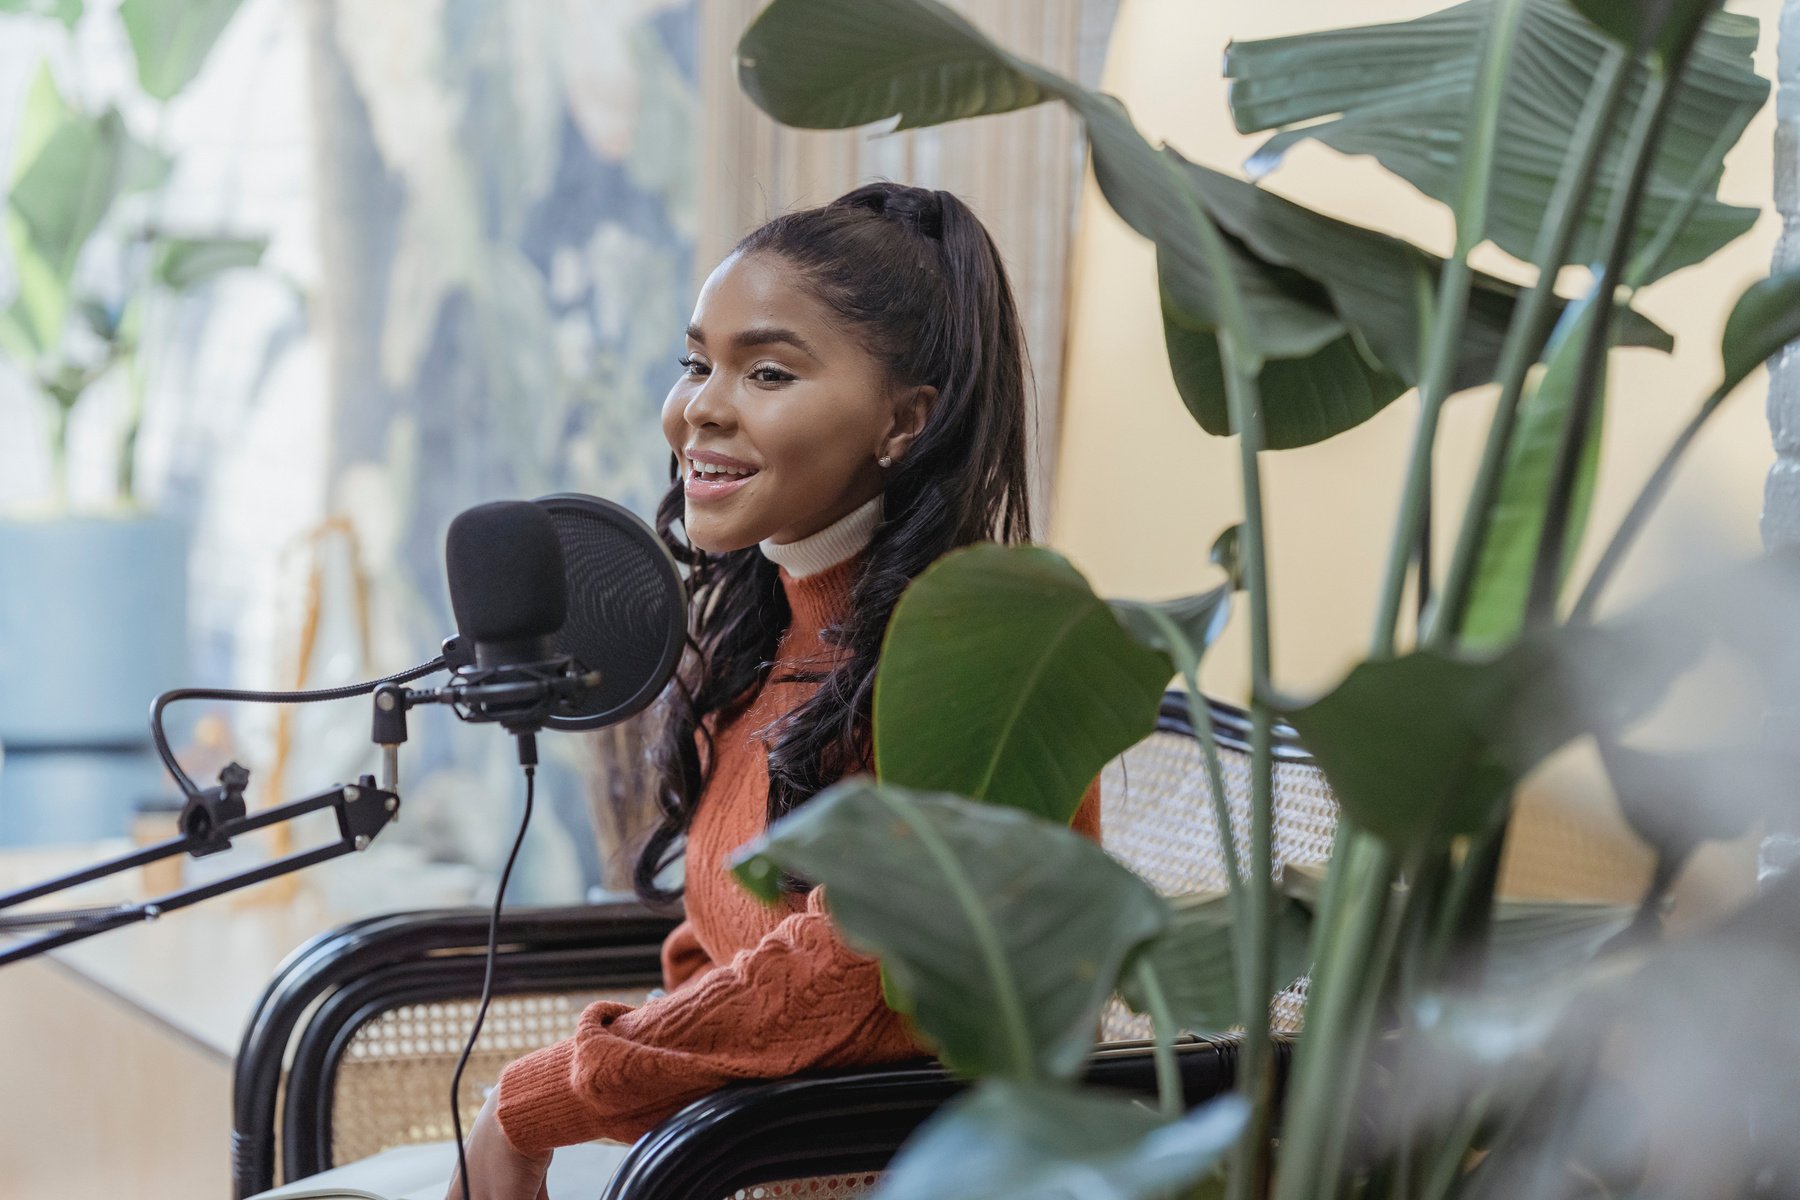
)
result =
(504, 563)
(508, 587)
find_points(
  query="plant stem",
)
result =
(1639, 150)
(1256, 1080)
(1648, 264)
(1329, 1064)
(1469, 903)
(1477, 169)
(1525, 336)
(1242, 361)
(1362, 866)
(1454, 1148)
(1168, 1076)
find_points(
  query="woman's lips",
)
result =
(714, 487)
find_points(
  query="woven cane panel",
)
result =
(1157, 813)
(1157, 818)
(393, 1083)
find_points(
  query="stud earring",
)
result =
(886, 461)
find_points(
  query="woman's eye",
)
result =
(689, 362)
(780, 376)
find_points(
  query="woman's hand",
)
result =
(496, 1170)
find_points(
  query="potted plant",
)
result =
(1568, 132)
(92, 593)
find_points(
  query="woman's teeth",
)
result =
(715, 471)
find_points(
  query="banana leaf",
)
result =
(1401, 93)
(1004, 678)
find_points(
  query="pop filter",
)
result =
(627, 610)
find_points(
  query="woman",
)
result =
(852, 406)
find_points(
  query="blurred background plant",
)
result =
(1453, 1044)
(86, 224)
(472, 232)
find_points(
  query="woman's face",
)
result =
(780, 417)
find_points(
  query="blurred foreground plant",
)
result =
(1453, 1045)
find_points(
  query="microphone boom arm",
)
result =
(362, 808)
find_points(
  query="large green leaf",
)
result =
(1010, 1141)
(1534, 941)
(182, 263)
(171, 38)
(1000, 934)
(1195, 961)
(1003, 677)
(1764, 319)
(820, 64)
(66, 172)
(1401, 92)
(1422, 747)
(1384, 288)
(1502, 582)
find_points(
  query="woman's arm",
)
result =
(797, 1000)
(800, 999)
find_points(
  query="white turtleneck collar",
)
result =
(828, 547)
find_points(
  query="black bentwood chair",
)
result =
(352, 1046)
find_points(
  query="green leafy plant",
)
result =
(72, 173)
(1454, 1044)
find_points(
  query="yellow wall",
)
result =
(1141, 491)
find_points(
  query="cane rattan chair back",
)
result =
(1158, 818)
(379, 1067)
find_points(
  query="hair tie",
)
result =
(918, 209)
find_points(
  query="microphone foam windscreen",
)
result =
(505, 566)
(627, 608)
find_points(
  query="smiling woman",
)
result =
(851, 406)
(785, 427)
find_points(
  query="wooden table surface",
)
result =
(116, 1051)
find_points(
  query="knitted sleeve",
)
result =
(799, 999)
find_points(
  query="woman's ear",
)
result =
(912, 409)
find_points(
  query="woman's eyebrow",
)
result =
(760, 336)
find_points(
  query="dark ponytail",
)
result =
(916, 275)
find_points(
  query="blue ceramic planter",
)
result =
(93, 623)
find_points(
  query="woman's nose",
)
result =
(709, 404)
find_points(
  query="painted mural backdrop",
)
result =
(506, 222)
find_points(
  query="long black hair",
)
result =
(914, 273)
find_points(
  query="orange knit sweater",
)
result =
(754, 992)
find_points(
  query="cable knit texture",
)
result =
(754, 991)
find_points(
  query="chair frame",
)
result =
(818, 1123)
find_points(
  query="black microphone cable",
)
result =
(161, 738)
(528, 760)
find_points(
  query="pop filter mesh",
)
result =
(627, 612)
